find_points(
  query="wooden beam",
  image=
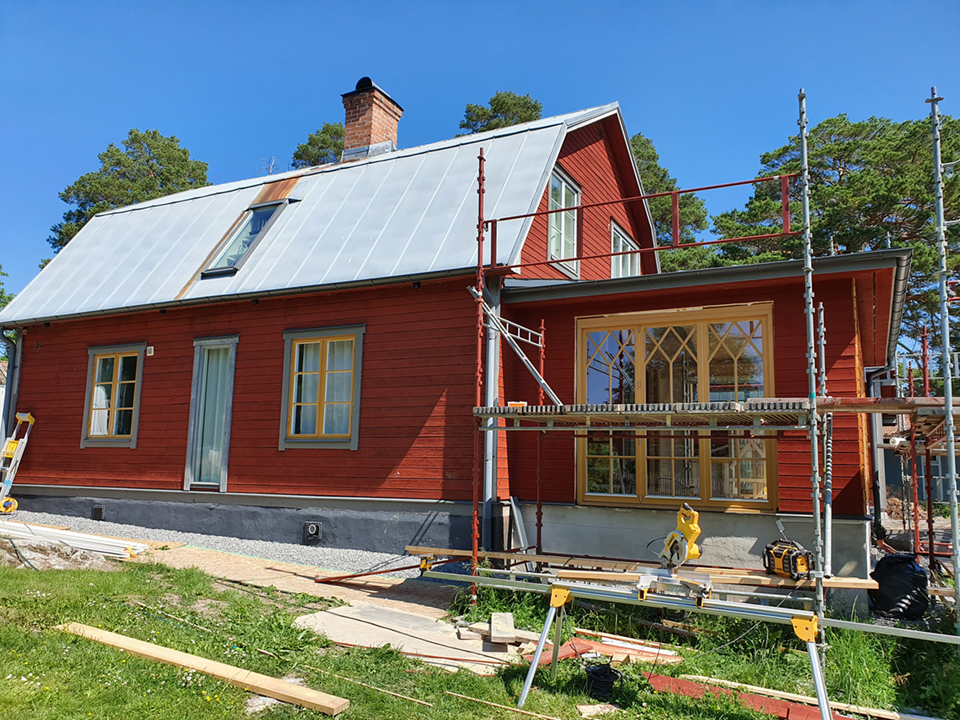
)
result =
(254, 682)
(727, 577)
(887, 406)
(522, 557)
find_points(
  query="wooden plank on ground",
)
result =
(501, 628)
(254, 682)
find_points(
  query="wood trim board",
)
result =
(238, 677)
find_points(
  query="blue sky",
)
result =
(713, 84)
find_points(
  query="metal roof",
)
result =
(402, 215)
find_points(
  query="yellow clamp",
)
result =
(426, 563)
(559, 596)
(805, 628)
(25, 417)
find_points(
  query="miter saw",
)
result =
(679, 546)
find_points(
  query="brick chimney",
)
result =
(371, 122)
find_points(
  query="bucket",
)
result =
(601, 679)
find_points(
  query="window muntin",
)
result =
(114, 389)
(251, 228)
(321, 391)
(322, 382)
(562, 233)
(623, 265)
(112, 396)
(677, 366)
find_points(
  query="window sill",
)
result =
(108, 442)
(740, 507)
(318, 443)
(572, 272)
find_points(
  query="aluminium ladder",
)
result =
(10, 456)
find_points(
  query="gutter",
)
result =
(516, 292)
(222, 299)
(14, 358)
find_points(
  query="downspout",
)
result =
(878, 485)
(491, 385)
(14, 357)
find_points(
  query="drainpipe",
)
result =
(491, 385)
(14, 356)
(878, 483)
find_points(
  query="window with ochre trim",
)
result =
(562, 232)
(706, 355)
(112, 398)
(622, 265)
(321, 394)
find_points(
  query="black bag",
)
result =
(903, 588)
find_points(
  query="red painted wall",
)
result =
(588, 157)
(416, 438)
(557, 448)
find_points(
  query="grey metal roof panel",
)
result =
(402, 214)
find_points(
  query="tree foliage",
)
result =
(5, 297)
(322, 147)
(149, 166)
(871, 186)
(693, 212)
(505, 109)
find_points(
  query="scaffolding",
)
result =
(766, 418)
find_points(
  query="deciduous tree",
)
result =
(149, 166)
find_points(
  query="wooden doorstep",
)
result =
(251, 681)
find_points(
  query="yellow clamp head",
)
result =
(25, 417)
(559, 596)
(426, 563)
(805, 628)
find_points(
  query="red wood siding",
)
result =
(557, 450)
(416, 427)
(589, 158)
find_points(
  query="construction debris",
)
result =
(502, 707)
(579, 647)
(592, 711)
(45, 555)
(109, 547)
(501, 628)
(254, 682)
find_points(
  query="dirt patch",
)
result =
(170, 600)
(209, 608)
(259, 703)
(45, 555)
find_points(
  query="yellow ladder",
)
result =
(13, 449)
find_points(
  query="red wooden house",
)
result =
(246, 358)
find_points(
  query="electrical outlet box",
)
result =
(312, 532)
(97, 513)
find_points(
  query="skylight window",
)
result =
(252, 226)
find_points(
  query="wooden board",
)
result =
(523, 557)
(254, 682)
(718, 577)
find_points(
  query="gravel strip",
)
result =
(335, 559)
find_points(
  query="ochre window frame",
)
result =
(763, 312)
(117, 352)
(324, 336)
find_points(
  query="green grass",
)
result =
(46, 674)
(861, 668)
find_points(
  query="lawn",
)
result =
(46, 674)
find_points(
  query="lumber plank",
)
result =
(523, 557)
(741, 577)
(245, 679)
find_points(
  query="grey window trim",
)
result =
(199, 344)
(289, 336)
(131, 442)
(209, 272)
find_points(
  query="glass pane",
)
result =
(624, 465)
(336, 419)
(241, 242)
(102, 395)
(125, 393)
(308, 357)
(122, 421)
(105, 369)
(749, 374)
(659, 477)
(610, 369)
(211, 452)
(340, 355)
(671, 364)
(304, 420)
(338, 387)
(98, 422)
(686, 478)
(554, 237)
(128, 368)
(305, 388)
(723, 381)
(556, 193)
(598, 475)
